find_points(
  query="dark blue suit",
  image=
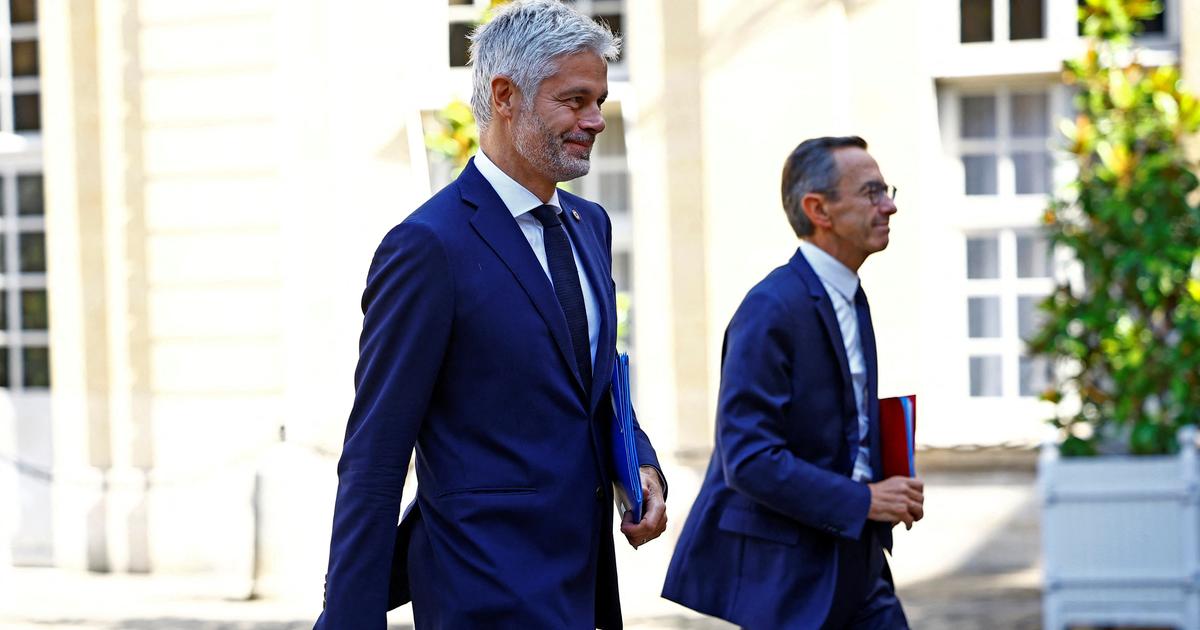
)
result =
(760, 546)
(465, 354)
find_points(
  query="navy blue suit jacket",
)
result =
(758, 547)
(465, 355)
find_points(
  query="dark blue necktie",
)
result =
(866, 337)
(565, 277)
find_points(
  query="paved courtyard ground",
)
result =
(971, 564)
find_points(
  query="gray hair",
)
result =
(522, 42)
(811, 169)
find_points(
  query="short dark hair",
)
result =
(811, 168)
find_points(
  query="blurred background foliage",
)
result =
(1125, 333)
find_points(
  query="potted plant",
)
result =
(1121, 489)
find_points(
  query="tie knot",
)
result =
(547, 215)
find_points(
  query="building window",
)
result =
(1001, 20)
(1003, 142)
(464, 15)
(1001, 137)
(1009, 271)
(25, 307)
(22, 111)
(24, 302)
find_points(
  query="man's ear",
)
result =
(813, 205)
(505, 97)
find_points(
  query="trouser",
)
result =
(865, 598)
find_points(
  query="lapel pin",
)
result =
(575, 213)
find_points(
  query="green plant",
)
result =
(455, 135)
(1127, 338)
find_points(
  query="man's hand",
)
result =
(654, 511)
(897, 500)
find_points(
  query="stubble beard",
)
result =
(544, 150)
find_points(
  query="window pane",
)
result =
(978, 116)
(1029, 318)
(22, 11)
(4, 382)
(980, 172)
(3, 312)
(1030, 115)
(983, 258)
(25, 58)
(985, 375)
(1033, 173)
(459, 44)
(34, 314)
(1025, 19)
(976, 21)
(32, 251)
(37, 366)
(1033, 256)
(29, 195)
(27, 112)
(614, 191)
(1036, 375)
(983, 317)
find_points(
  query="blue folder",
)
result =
(627, 480)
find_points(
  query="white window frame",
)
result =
(1000, 22)
(20, 155)
(1009, 288)
(11, 86)
(1005, 215)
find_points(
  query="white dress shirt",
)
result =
(520, 202)
(841, 284)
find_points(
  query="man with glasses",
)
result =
(790, 525)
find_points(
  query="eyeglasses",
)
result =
(876, 192)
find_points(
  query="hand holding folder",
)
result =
(627, 480)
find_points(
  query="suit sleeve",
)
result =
(407, 308)
(756, 390)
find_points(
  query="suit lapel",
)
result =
(833, 331)
(496, 226)
(590, 254)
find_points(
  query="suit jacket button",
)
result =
(599, 493)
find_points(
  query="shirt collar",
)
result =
(516, 197)
(830, 270)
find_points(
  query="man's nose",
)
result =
(592, 120)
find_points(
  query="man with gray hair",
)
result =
(488, 343)
(790, 525)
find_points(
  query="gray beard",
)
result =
(539, 146)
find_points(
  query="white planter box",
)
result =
(1121, 538)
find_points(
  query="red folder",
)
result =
(897, 430)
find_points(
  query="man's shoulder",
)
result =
(436, 221)
(781, 293)
(445, 208)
